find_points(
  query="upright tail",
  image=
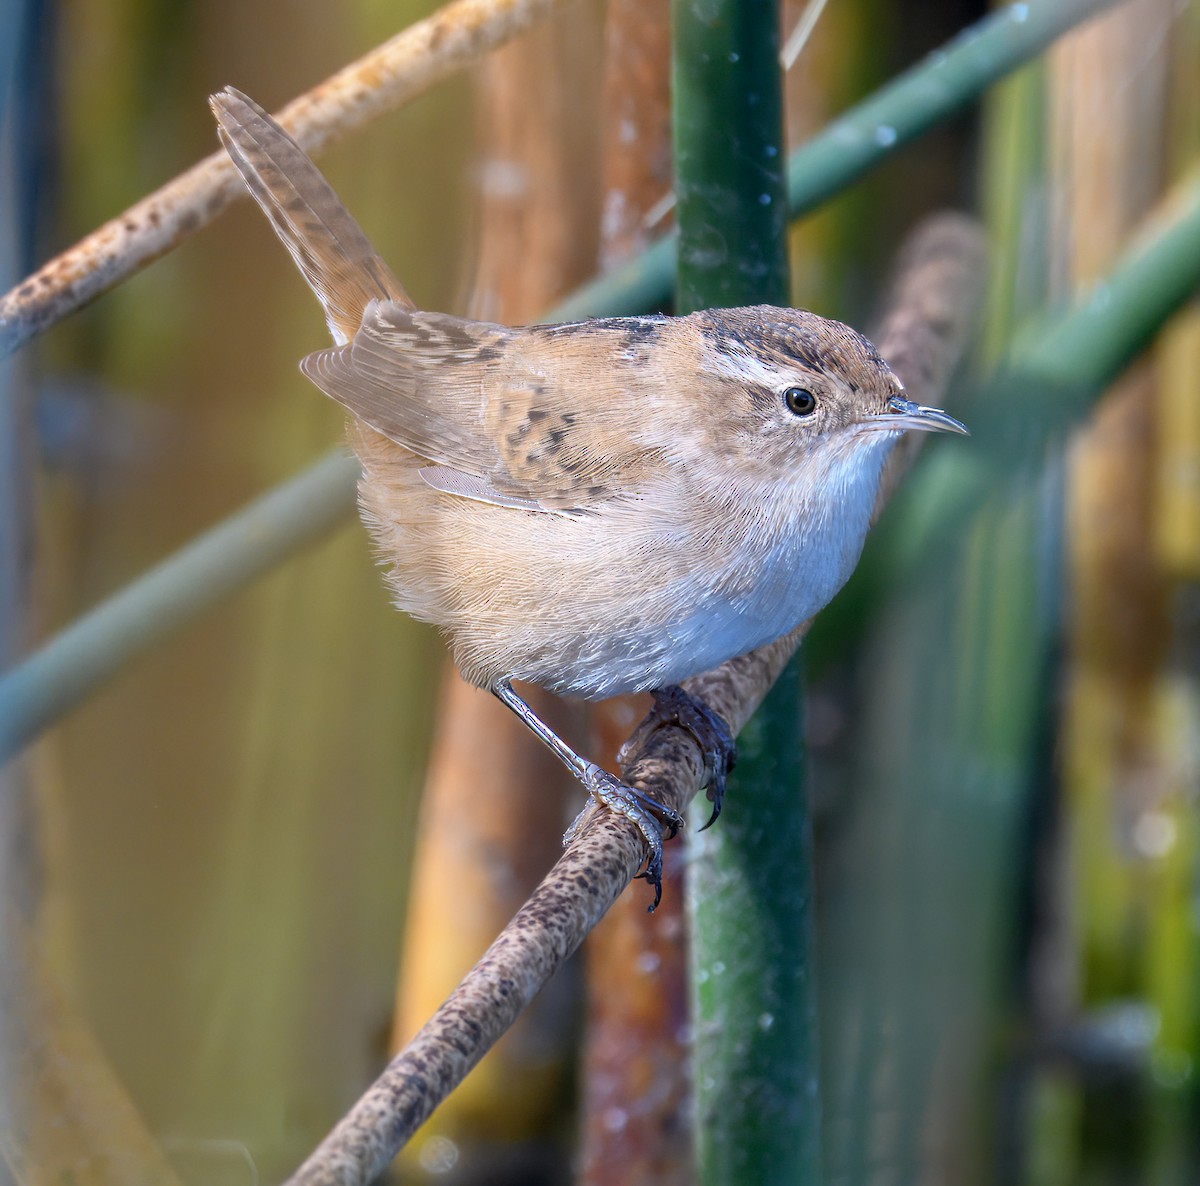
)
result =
(329, 247)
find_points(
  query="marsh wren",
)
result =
(597, 507)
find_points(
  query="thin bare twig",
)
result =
(378, 82)
(797, 39)
(923, 334)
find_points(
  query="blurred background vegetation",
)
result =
(217, 865)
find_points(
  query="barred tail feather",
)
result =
(329, 247)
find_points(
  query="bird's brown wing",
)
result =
(494, 413)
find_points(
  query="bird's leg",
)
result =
(644, 813)
(674, 706)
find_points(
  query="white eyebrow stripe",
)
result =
(747, 367)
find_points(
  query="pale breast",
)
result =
(643, 593)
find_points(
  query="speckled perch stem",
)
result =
(939, 280)
(378, 82)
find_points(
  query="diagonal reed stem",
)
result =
(246, 545)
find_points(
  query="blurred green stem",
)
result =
(1054, 372)
(753, 1005)
(248, 544)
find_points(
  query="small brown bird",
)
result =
(598, 507)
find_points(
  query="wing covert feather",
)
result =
(417, 382)
(493, 403)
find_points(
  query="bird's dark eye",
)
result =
(800, 401)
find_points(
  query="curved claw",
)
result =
(715, 799)
(653, 873)
(654, 820)
(674, 706)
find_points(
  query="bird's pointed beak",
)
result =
(904, 414)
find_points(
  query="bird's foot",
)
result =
(650, 818)
(674, 706)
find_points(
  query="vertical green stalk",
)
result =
(730, 188)
(757, 1104)
(750, 901)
